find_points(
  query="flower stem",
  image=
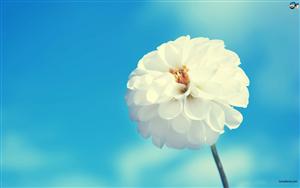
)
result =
(219, 165)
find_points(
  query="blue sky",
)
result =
(65, 68)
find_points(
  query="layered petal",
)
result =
(211, 136)
(213, 89)
(233, 118)
(170, 109)
(196, 108)
(200, 134)
(240, 99)
(201, 75)
(158, 127)
(175, 139)
(196, 134)
(146, 113)
(181, 124)
(241, 76)
(153, 62)
(140, 82)
(158, 141)
(143, 129)
(172, 54)
(196, 92)
(216, 118)
(140, 98)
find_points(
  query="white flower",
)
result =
(183, 93)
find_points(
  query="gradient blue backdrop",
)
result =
(65, 68)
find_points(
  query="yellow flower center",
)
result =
(181, 75)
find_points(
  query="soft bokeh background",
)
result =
(65, 121)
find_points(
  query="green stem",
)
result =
(219, 166)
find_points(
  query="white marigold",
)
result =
(183, 93)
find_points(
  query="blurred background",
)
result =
(65, 67)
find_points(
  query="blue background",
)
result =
(65, 67)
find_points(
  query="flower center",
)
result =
(181, 75)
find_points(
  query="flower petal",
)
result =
(131, 82)
(152, 61)
(197, 51)
(181, 42)
(170, 109)
(198, 41)
(129, 97)
(196, 134)
(211, 136)
(216, 118)
(233, 118)
(242, 77)
(241, 99)
(143, 129)
(201, 75)
(212, 89)
(140, 97)
(196, 108)
(231, 88)
(198, 93)
(159, 86)
(152, 95)
(201, 134)
(159, 142)
(133, 113)
(180, 124)
(223, 74)
(140, 82)
(137, 72)
(175, 139)
(145, 113)
(172, 54)
(231, 57)
(175, 90)
(218, 56)
(158, 127)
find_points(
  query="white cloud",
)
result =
(133, 163)
(196, 168)
(201, 169)
(20, 155)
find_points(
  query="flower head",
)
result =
(183, 93)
